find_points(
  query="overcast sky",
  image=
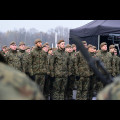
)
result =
(40, 25)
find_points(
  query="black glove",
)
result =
(77, 78)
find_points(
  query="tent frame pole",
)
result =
(98, 42)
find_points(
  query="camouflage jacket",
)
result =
(24, 58)
(73, 68)
(83, 67)
(106, 59)
(17, 85)
(60, 63)
(13, 59)
(38, 62)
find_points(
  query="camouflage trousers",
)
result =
(92, 87)
(59, 86)
(99, 86)
(82, 88)
(69, 88)
(40, 80)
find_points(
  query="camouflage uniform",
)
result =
(13, 59)
(59, 69)
(111, 91)
(84, 82)
(72, 74)
(15, 85)
(106, 59)
(38, 66)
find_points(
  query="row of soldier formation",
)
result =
(57, 71)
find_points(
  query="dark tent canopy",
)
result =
(93, 31)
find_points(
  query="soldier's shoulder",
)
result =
(111, 91)
(19, 81)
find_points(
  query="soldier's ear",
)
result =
(2, 59)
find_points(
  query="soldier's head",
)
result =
(28, 50)
(13, 46)
(4, 48)
(74, 47)
(47, 45)
(38, 43)
(50, 51)
(85, 44)
(68, 48)
(7, 49)
(61, 44)
(103, 46)
(90, 48)
(111, 48)
(22, 46)
(45, 48)
(94, 49)
(115, 52)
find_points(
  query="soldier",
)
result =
(12, 57)
(24, 57)
(91, 50)
(60, 66)
(117, 62)
(106, 59)
(71, 77)
(15, 85)
(38, 64)
(83, 82)
(111, 91)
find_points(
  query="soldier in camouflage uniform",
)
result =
(118, 63)
(24, 57)
(15, 85)
(12, 57)
(114, 59)
(91, 50)
(106, 59)
(84, 72)
(72, 74)
(111, 91)
(38, 63)
(60, 66)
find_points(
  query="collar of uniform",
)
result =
(13, 51)
(22, 51)
(61, 50)
(38, 48)
(102, 51)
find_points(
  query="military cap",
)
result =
(68, 46)
(102, 44)
(84, 42)
(111, 46)
(21, 43)
(37, 40)
(27, 48)
(89, 46)
(12, 43)
(44, 45)
(73, 45)
(60, 41)
(5, 46)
